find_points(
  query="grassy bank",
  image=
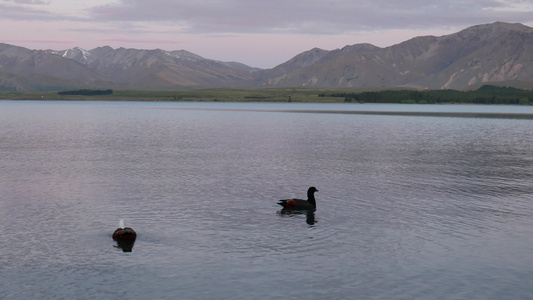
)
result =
(484, 95)
(211, 95)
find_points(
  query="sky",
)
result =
(260, 34)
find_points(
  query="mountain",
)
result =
(491, 53)
(158, 69)
(477, 55)
(22, 69)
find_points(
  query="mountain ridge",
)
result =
(480, 54)
(461, 60)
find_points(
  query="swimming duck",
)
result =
(300, 204)
(124, 233)
(125, 237)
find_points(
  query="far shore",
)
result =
(484, 95)
(257, 96)
(205, 95)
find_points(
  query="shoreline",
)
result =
(487, 95)
(489, 115)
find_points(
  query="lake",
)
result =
(409, 206)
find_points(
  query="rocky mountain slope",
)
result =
(23, 69)
(491, 53)
(155, 69)
(477, 55)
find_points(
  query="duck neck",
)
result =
(311, 198)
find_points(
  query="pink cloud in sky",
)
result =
(49, 41)
(138, 41)
(258, 33)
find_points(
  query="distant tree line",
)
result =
(87, 92)
(486, 94)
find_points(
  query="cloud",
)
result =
(260, 33)
(48, 41)
(30, 10)
(22, 12)
(139, 41)
(30, 2)
(312, 16)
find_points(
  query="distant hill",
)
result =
(498, 53)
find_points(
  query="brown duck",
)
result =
(300, 204)
(124, 233)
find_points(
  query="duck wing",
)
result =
(296, 204)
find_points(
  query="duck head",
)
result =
(311, 192)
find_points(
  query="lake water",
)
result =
(409, 207)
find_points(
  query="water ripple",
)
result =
(409, 206)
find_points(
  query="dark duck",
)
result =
(300, 204)
(125, 237)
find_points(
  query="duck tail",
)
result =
(285, 203)
(121, 224)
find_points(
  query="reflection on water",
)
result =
(125, 246)
(309, 215)
(411, 207)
